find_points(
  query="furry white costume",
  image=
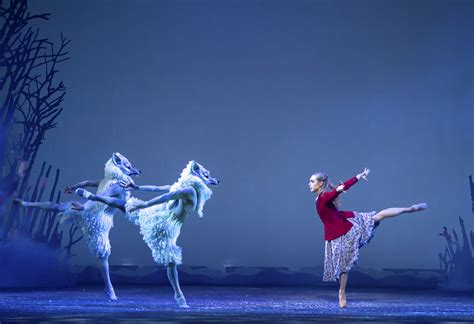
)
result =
(93, 218)
(160, 219)
(96, 220)
(159, 226)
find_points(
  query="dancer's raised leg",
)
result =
(395, 211)
(111, 201)
(46, 205)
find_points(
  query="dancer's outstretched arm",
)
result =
(186, 193)
(331, 195)
(111, 201)
(165, 188)
(132, 185)
(82, 184)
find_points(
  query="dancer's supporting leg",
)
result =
(392, 212)
(104, 261)
(104, 270)
(342, 290)
(172, 272)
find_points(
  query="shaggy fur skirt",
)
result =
(342, 254)
(159, 229)
(95, 226)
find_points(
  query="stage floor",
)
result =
(88, 304)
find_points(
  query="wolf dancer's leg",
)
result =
(104, 270)
(46, 205)
(111, 201)
(392, 212)
(172, 272)
(342, 290)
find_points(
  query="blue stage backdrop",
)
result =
(264, 93)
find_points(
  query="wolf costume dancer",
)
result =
(345, 232)
(95, 219)
(161, 218)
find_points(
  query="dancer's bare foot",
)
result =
(18, 202)
(342, 299)
(181, 301)
(110, 293)
(417, 207)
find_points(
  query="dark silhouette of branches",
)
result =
(457, 261)
(31, 100)
(72, 240)
(471, 185)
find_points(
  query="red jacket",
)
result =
(335, 222)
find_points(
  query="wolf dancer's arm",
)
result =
(187, 193)
(165, 188)
(153, 188)
(130, 184)
(86, 183)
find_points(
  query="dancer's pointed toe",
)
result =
(111, 294)
(181, 301)
(418, 207)
(342, 300)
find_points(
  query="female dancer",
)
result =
(345, 232)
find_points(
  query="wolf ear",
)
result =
(116, 158)
(194, 167)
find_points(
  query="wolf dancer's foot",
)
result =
(83, 193)
(342, 299)
(181, 301)
(19, 202)
(110, 293)
(417, 207)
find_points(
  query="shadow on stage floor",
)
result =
(89, 304)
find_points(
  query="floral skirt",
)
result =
(342, 254)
